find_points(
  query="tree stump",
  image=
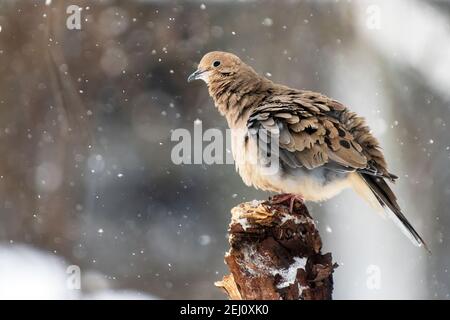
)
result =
(276, 254)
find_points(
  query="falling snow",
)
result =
(87, 148)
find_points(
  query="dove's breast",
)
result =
(246, 158)
(313, 185)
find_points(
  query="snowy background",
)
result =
(86, 115)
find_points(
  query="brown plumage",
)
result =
(322, 147)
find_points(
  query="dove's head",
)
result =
(228, 78)
(217, 65)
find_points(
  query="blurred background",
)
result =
(86, 116)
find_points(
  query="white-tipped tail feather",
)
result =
(378, 194)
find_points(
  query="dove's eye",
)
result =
(216, 63)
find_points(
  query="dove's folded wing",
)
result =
(309, 132)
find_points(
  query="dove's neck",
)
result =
(236, 96)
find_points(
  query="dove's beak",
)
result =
(196, 75)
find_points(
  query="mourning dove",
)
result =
(321, 146)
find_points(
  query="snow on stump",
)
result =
(276, 254)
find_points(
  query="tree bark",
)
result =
(276, 254)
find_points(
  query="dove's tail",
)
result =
(386, 198)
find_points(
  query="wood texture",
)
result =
(276, 254)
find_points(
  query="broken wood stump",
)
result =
(276, 254)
